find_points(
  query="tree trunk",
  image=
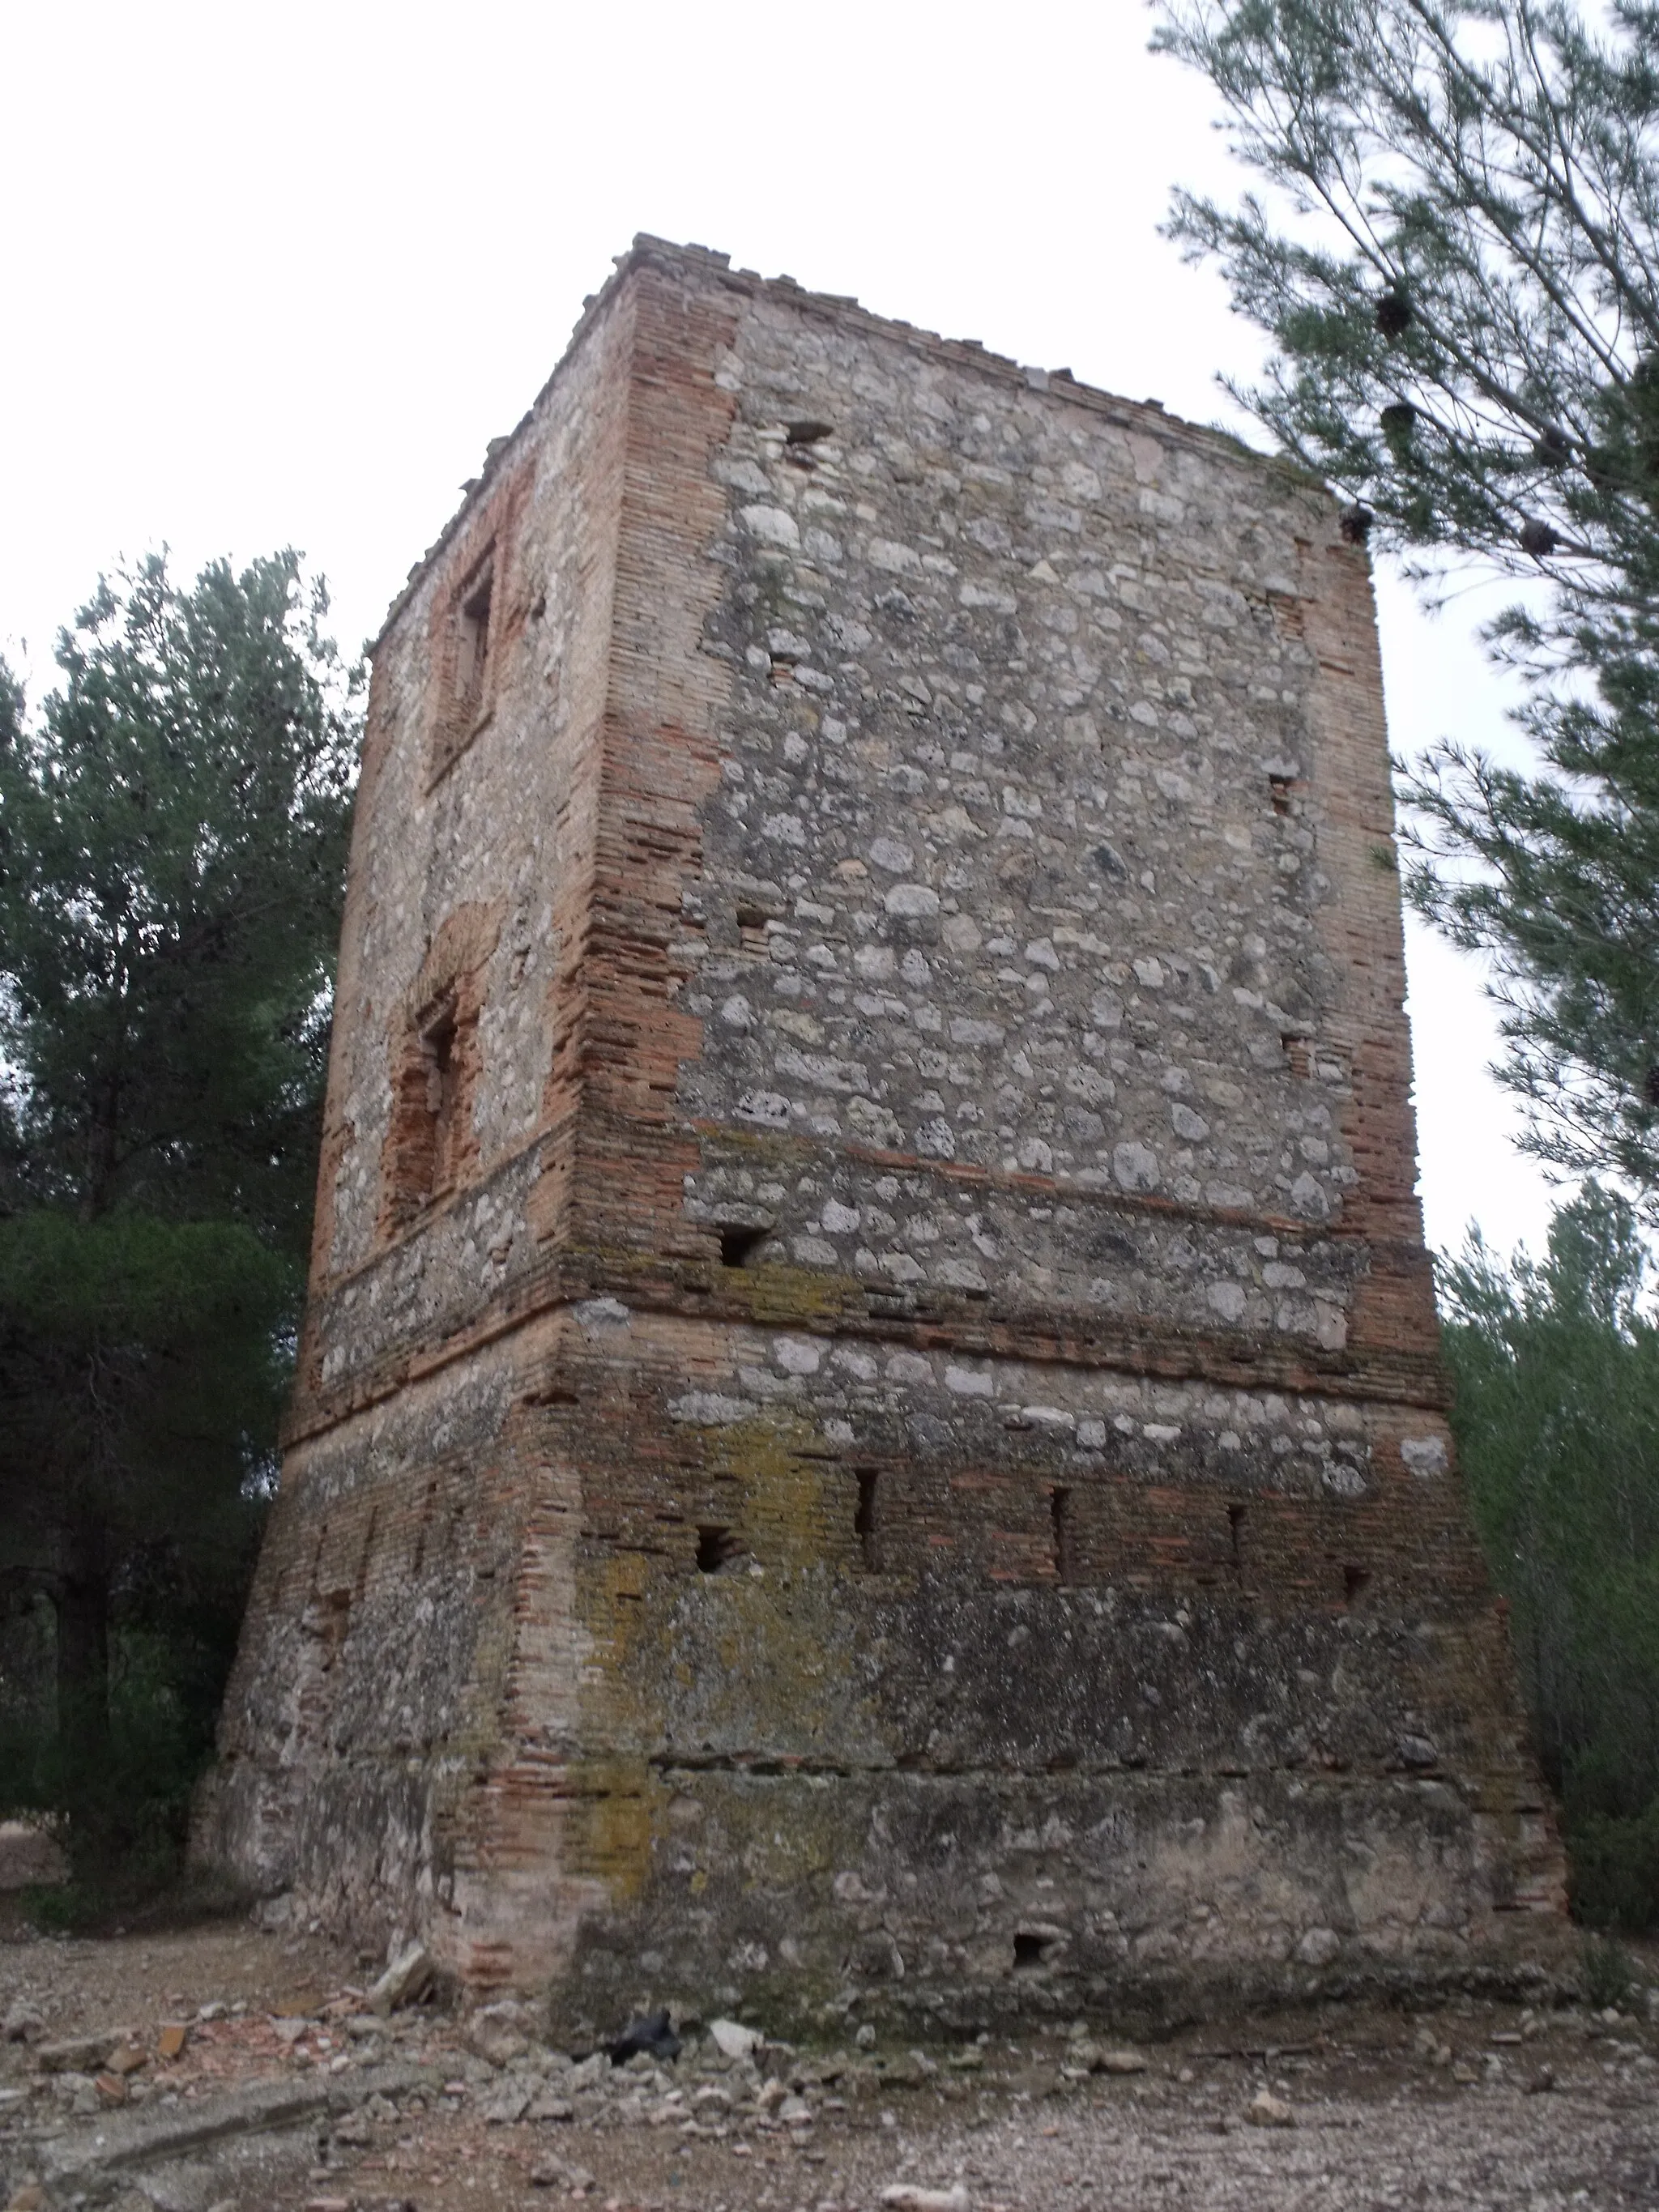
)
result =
(82, 1605)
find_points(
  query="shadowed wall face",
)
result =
(871, 1428)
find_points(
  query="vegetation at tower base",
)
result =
(172, 851)
(1463, 297)
(1557, 1369)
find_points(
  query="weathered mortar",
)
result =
(871, 1427)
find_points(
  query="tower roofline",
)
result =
(1148, 415)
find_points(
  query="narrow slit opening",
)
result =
(1354, 1580)
(739, 1245)
(716, 1548)
(1062, 1532)
(865, 1525)
(1279, 787)
(1236, 1536)
(1030, 1950)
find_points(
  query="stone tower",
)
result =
(870, 1432)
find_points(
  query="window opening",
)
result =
(430, 1110)
(472, 645)
(717, 1549)
(442, 1082)
(1279, 787)
(1298, 1055)
(1354, 1580)
(1062, 1524)
(739, 1242)
(1236, 1532)
(1031, 1950)
(866, 1527)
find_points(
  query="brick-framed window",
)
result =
(467, 641)
(433, 1086)
(435, 1059)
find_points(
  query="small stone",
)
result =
(496, 2045)
(111, 2090)
(1319, 1947)
(407, 1978)
(171, 2040)
(127, 2059)
(1266, 2111)
(733, 2040)
(906, 2197)
(24, 2022)
(550, 2173)
(353, 2130)
(30, 2197)
(80, 2054)
(507, 2105)
(1119, 2062)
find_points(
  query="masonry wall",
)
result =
(905, 1464)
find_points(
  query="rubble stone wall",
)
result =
(871, 1430)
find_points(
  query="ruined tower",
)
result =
(870, 1431)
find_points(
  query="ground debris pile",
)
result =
(223, 2072)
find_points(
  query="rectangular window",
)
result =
(865, 1525)
(472, 645)
(465, 674)
(1062, 1520)
(429, 1111)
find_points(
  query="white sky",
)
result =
(274, 275)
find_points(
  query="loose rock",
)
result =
(24, 2022)
(406, 1979)
(1266, 2111)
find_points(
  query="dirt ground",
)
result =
(1474, 2105)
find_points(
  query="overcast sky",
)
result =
(274, 275)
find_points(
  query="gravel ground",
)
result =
(1474, 2105)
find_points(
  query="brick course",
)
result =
(890, 1451)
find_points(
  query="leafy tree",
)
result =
(173, 831)
(1463, 297)
(1557, 1369)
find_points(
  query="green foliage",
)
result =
(1557, 1372)
(1608, 1974)
(172, 832)
(1463, 294)
(170, 881)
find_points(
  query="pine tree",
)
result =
(172, 832)
(1556, 1367)
(1458, 263)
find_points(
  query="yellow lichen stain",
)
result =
(754, 1662)
(615, 1807)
